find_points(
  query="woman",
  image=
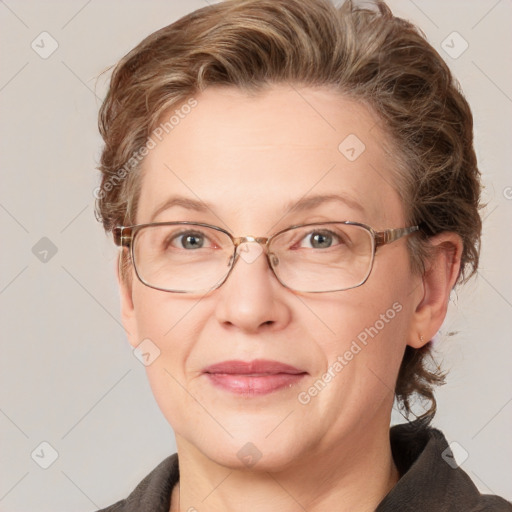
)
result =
(295, 193)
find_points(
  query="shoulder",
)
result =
(153, 493)
(430, 476)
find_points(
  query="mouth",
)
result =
(257, 377)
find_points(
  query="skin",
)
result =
(248, 157)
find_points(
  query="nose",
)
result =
(252, 299)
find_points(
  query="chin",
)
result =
(255, 458)
(253, 453)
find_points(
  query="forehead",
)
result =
(249, 157)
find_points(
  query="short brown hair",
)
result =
(367, 54)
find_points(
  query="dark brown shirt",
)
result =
(430, 480)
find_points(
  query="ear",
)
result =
(127, 309)
(441, 273)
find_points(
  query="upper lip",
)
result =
(257, 366)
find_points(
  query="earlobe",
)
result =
(127, 308)
(442, 271)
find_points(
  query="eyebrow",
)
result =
(184, 202)
(303, 204)
(308, 203)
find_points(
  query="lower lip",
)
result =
(256, 385)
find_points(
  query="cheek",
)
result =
(159, 315)
(367, 335)
(361, 360)
(172, 328)
(364, 333)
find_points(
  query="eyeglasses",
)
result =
(191, 257)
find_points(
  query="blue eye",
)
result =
(192, 241)
(320, 239)
(189, 240)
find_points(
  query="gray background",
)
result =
(69, 377)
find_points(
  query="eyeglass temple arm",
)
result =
(391, 235)
(122, 236)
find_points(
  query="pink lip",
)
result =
(256, 377)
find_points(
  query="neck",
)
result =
(355, 477)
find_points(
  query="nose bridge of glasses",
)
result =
(247, 239)
(249, 248)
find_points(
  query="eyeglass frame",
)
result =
(125, 235)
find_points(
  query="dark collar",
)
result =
(430, 477)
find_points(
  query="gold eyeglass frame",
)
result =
(125, 235)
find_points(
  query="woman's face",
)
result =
(250, 159)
